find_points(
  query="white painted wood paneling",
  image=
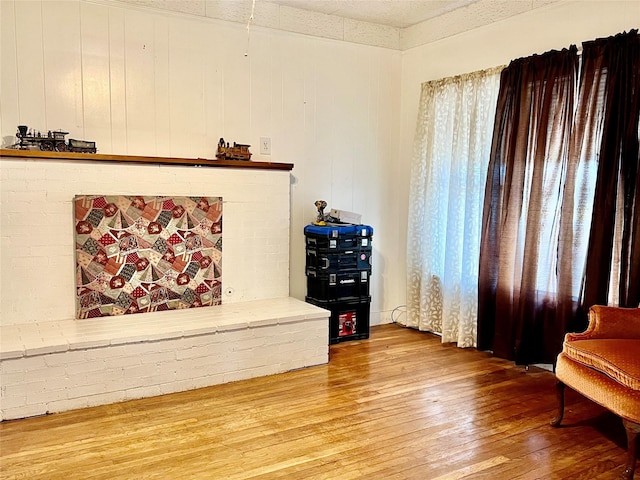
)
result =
(162, 83)
(213, 92)
(263, 74)
(140, 83)
(63, 81)
(236, 85)
(117, 84)
(187, 44)
(9, 99)
(95, 108)
(30, 64)
(294, 65)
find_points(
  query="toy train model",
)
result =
(239, 151)
(53, 141)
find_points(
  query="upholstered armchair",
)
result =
(603, 364)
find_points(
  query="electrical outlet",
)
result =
(265, 146)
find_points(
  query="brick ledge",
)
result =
(41, 338)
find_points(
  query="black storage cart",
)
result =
(338, 270)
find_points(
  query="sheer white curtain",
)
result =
(448, 176)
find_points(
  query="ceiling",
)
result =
(395, 24)
(393, 13)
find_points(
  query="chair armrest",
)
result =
(610, 322)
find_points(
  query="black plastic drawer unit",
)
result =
(348, 320)
(342, 285)
(320, 260)
(338, 270)
(338, 238)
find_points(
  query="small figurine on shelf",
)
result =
(320, 205)
(222, 148)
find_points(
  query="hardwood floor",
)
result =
(397, 406)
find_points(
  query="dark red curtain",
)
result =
(543, 261)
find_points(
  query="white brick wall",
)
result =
(245, 340)
(37, 279)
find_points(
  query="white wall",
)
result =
(552, 27)
(139, 81)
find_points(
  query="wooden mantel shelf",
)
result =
(100, 157)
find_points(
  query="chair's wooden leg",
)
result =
(560, 394)
(633, 429)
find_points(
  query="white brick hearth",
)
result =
(48, 367)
